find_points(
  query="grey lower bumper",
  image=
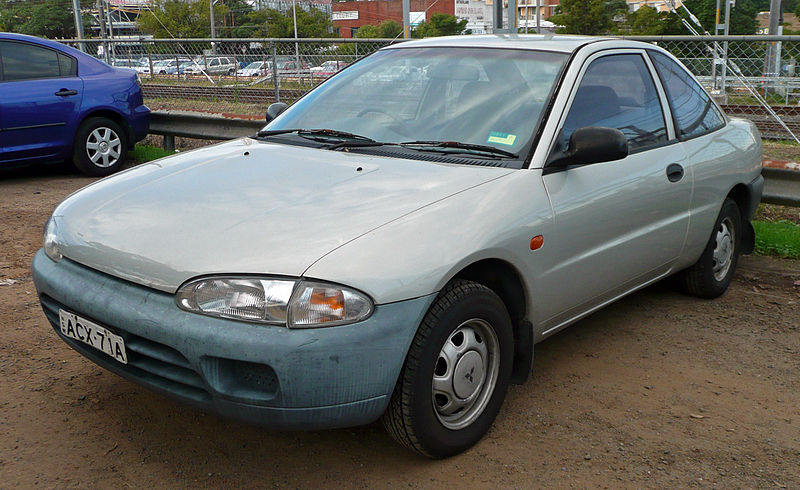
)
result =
(272, 376)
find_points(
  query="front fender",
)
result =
(419, 253)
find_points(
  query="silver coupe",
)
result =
(393, 244)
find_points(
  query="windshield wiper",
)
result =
(315, 134)
(457, 145)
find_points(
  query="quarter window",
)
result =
(23, 61)
(617, 91)
(692, 108)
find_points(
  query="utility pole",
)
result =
(538, 16)
(110, 28)
(296, 46)
(725, 45)
(406, 19)
(213, 32)
(774, 22)
(102, 20)
(76, 7)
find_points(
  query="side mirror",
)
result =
(593, 144)
(275, 109)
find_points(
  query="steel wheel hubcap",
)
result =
(723, 249)
(103, 147)
(465, 374)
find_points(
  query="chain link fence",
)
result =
(243, 76)
(230, 76)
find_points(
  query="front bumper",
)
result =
(272, 376)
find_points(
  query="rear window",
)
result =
(694, 112)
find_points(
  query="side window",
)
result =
(25, 62)
(694, 112)
(214, 63)
(617, 91)
(67, 65)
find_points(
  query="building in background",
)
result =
(660, 5)
(348, 17)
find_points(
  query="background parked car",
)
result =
(328, 68)
(57, 103)
(169, 67)
(255, 69)
(217, 65)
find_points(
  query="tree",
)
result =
(743, 15)
(441, 25)
(390, 29)
(647, 21)
(590, 17)
(179, 18)
(50, 18)
(367, 31)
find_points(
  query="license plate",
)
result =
(93, 334)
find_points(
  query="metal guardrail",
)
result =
(780, 187)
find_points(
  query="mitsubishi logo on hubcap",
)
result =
(469, 375)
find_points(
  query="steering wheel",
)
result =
(378, 110)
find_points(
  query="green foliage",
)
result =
(272, 23)
(390, 29)
(367, 31)
(50, 18)
(146, 153)
(180, 18)
(781, 238)
(441, 25)
(191, 18)
(743, 15)
(590, 17)
(648, 21)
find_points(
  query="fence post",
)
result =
(275, 71)
(150, 63)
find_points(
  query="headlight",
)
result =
(297, 304)
(50, 238)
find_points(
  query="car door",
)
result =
(40, 95)
(618, 224)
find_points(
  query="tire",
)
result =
(424, 418)
(711, 275)
(100, 147)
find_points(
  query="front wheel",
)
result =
(456, 373)
(711, 275)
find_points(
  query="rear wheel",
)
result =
(711, 275)
(100, 147)
(456, 373)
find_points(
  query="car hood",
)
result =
(245, 207)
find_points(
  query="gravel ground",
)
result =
(657, 390)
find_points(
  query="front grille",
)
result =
(149, 362)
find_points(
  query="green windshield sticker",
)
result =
(501, 138)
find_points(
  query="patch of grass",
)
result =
(780, 238)
(146, 153)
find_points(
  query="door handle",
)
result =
(674, 172)
(66, 93)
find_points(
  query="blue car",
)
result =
(59, 103)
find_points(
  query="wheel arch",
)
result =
(112, 115)
(506, 281)
(741, 195)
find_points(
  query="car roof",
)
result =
(539, 42)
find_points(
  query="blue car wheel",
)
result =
(100, 147)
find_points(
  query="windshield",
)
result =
(479, 96)
(254, 65)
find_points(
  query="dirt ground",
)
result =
(657, 390)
